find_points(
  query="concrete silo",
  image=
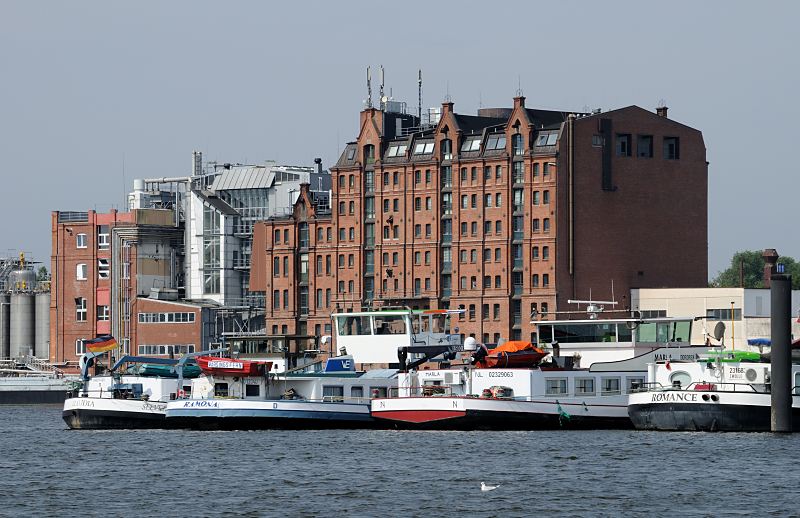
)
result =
(23, 334)
(5, 325)
(42, 329)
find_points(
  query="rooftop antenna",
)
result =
(369, 88)
(382, 82)
(419, 87)
(480, 100)
(519, 86)
(447, 95)
(662, 103)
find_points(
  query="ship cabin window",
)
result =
(634, 384)
(376, 392)
(579, 333)
(390, 325)
(252, 391)
(220, 390)
(610, 386)
(356, 392)
(584, 387)
(555, 386)
(796, 389)
(353, 325)
(661, 332)
(332, 393)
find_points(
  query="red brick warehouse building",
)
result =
(503, 213)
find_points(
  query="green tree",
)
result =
(42, 274)
(752, 265)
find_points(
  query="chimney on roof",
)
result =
(447, 107)
(661, 111)
(519, 101)
(770, 256)
(318, 161)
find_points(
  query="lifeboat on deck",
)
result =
(230, 367)
(515, 353)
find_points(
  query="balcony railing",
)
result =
(447, 266)
(447, 238)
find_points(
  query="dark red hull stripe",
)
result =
(419, 416)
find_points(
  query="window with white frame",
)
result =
(169, 318)
(103, 237)
(610, 386)
(634, 383)
(103, 269)
(103, 313)
(555, 386)
(163, 350)
(81, 271)
(584, 386)
(80, 309)
(80, 241)
(80, 346)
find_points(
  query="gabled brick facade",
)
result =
(543, 208)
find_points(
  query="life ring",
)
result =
(181, 393)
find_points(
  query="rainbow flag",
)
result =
(101, 344)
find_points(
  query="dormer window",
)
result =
(369, 154)
(497, 141)
(471, 144)
(547, 139)
(423, 148)
(396, 150)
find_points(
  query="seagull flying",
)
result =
(484, 487)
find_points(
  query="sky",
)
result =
(96, 93)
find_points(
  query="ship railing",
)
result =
(709, 386)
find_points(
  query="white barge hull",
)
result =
(105, 413)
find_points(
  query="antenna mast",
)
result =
(382, 77)
(369, 88)
(419, 86)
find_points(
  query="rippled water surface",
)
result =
(48, 470)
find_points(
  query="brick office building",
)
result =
(102, 265)
(503, 213)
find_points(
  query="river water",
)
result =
(48, 470)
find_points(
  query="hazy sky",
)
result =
(95, 94)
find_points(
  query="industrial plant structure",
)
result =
(24, 310)
(170, 276)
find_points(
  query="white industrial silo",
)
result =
(22, 332)
(42, 326)
(5, 325)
